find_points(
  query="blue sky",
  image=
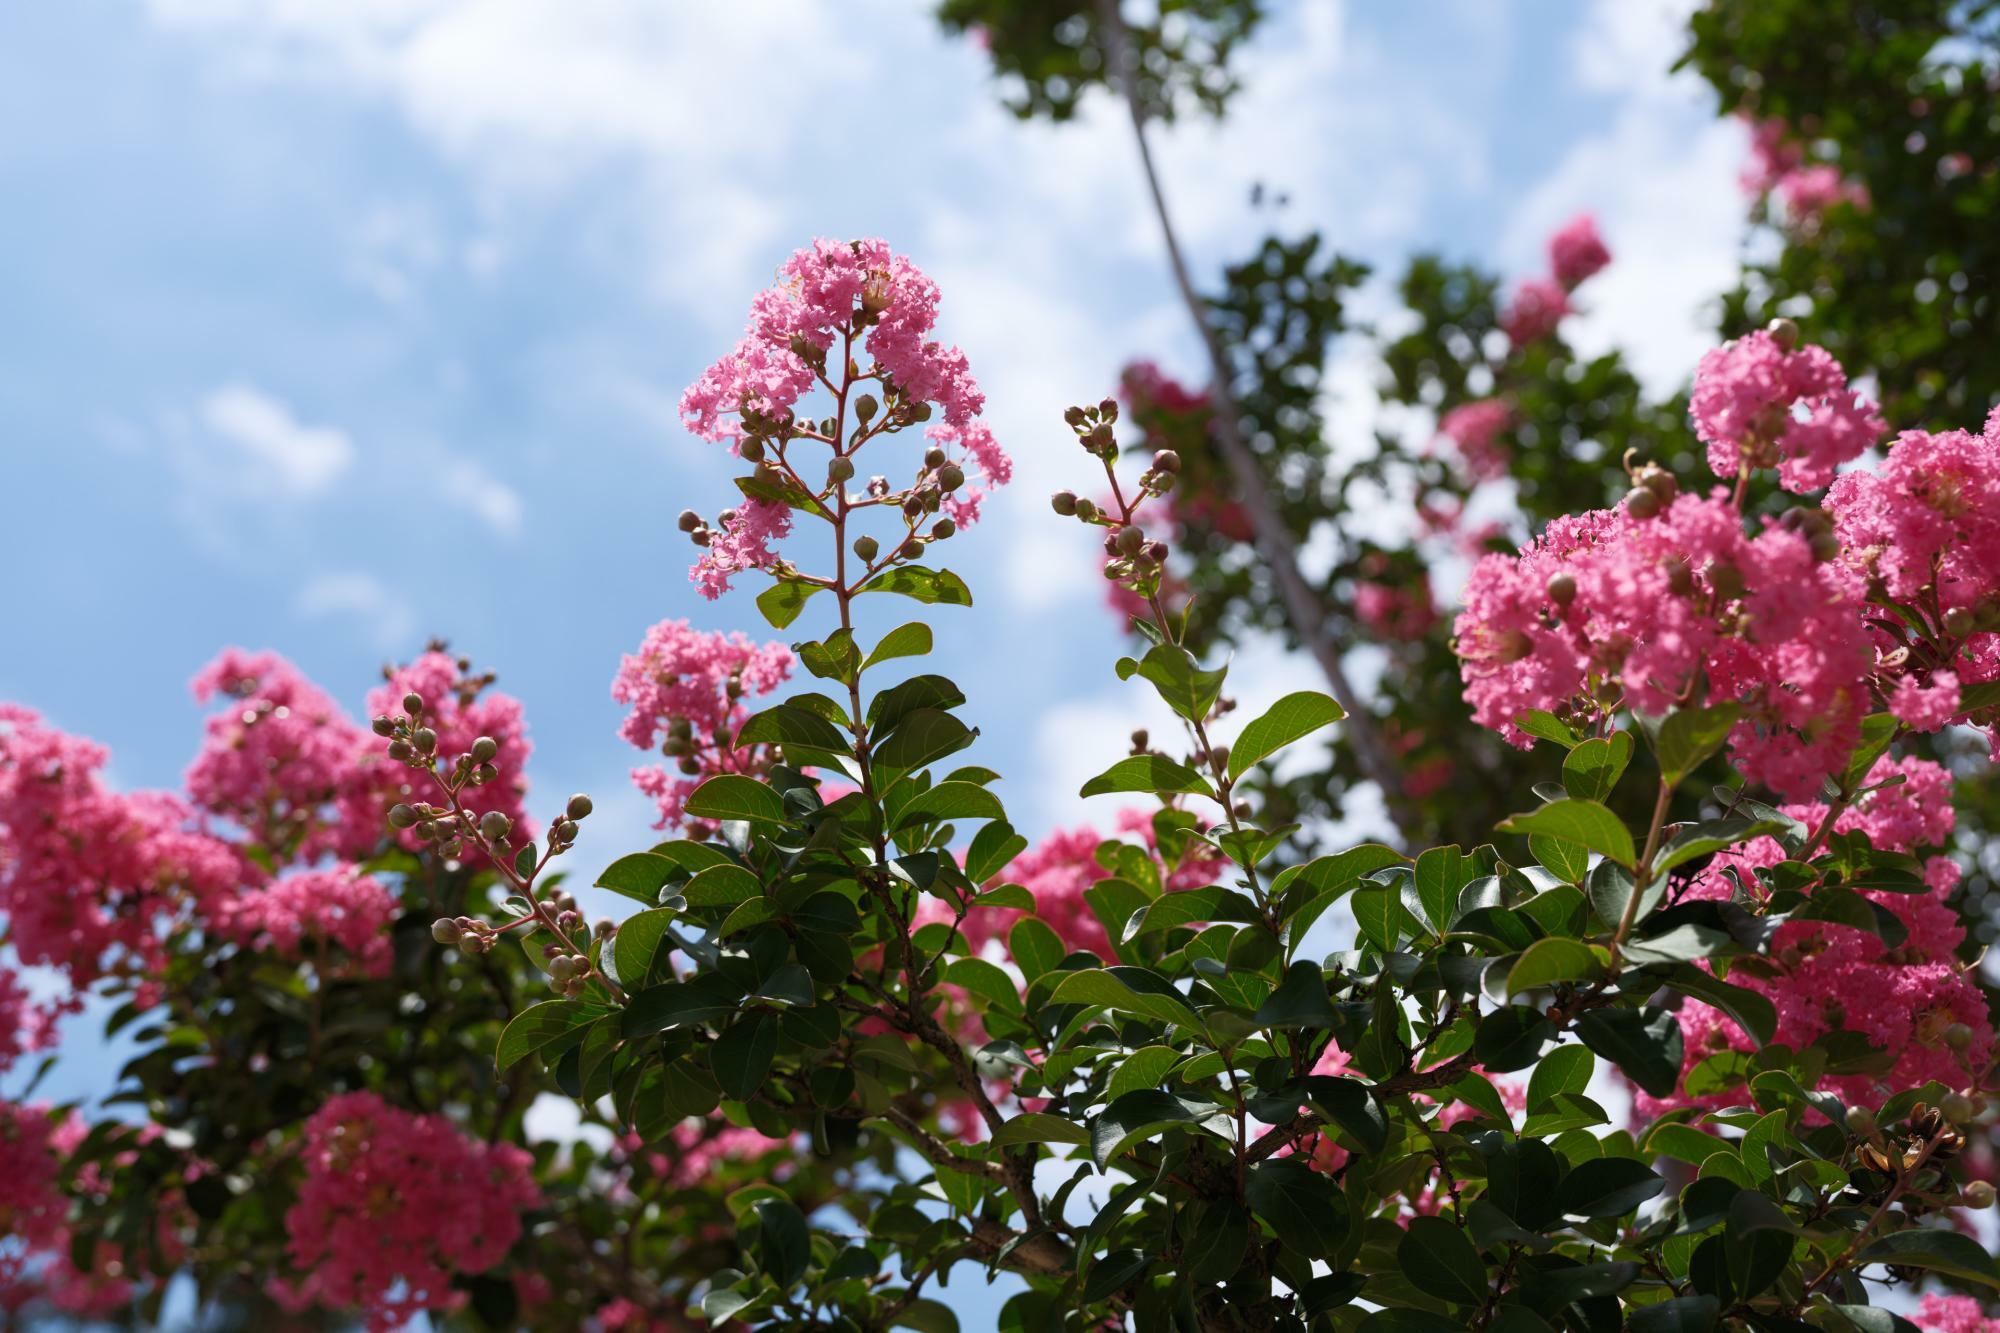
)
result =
(333, 324)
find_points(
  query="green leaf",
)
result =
(791, 725)
(1169, 910)
(911, 640)
(1937, 1250)
(1689, 736)
(1541, 723)
(1035, 948)
(1548, 961)
(1132, 990)
(1877, 730)
(784, 1244)
(1682, 1314)
(1606, 1187)
(1138, 1116)
(637, 944)
(1305, 1209)
(1040, 1127)
(782, 602)
(741, 1056)
(550, 1027)
(1752, 1012)
(923, 736)
(1593, 768)
(1381, 916)
(1440, 1259)
(993, 847)
(838, 657)
(721, 886)
(1143, 1068)
(639, 876)
(1565, 1069)
(951, 800)
(1438, 876)
(733, 796)
(1583, 822)
(1301, 1001)
(932, 587)
(1713, 836)
(1148, 773)
(1645, 1043)
(1570, 861)
(986, 980)
(1178, 679)
(1291, 718)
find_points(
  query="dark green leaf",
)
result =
(1950, 1253)
(733, 796)
(1645, 1043)
(782, 602)
(1593, 768)
(1301, 1001)
(784, 1245)
(1606, 1187)
(1583, 822)
(1304, 1208)
(911, 640)
(1689, 736)
(1439, 1258)
(1291, 718)
(932, 587)
(742, 1055)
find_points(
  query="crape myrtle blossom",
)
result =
(834, 302)
(1397, 612)
(392, 1206)
(461, 707)
(282, 761)
(1763, 401)
(1777, 164)
(37, 1270)
(89, 876)
(1537, 307)
(1609, 609)
(25, 1026)
(1939, 1313)
(1914, 1001)
(1474, 429)
(335, 917)
(1577, 253)
(686, 690)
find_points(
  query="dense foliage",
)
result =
(1660, 1011)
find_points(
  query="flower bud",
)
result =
(1725, 581)
(1977, 1194)
(1074, 416)
(1108, 409)
(493, 826)
(566, 830)
(865, 408)
(1562, 588)
(1086, 509)
(1130, 539)
(1957, 1107)
(1784, 332)
(1166, 460)
(413, 703)
(401, 816)
(689, 520)
(401, 751)
(444, 930)
(1825, 546)
(942, 529)
(384, 726)
(484, 774)
(426, 739)
(934, 457)
(839, 468)
(918, 412)
(867, 548)
(912, 549)
(1642, 503)
(1064, 503)
(1218, 756)
(951, 477)
(913, 507)
(689, 767)
(750, 449)
(1156, 552)
(1958, 1036)
(1661, 483)
(484, 749)
(579, 806)
(1959, 622)
(562, 967)
(1861, 1122)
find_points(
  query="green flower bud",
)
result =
(689, 520)
(401, 751)
(1562, 588)
(1784, 332)
(426, 739)
(566, 830)
(1861, 1122)
(1959, 622)
(867, 548)
(865, 408)
(384, 726)
(951, 477)
(1957, 1107)
(1166, 460)
(444, 930)
(943, 528)
(401, 816)
(1130, 539)
(484, 749)
(934, 457)
(579, 806)
(839, 468)
(493, 826)
(912, 549)
(1977, 1194)
(1064, 503)
(413, 703)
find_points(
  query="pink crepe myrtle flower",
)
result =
(461, 708)
(1809, 192)
(1474, 429)
(36, 1263)
(1758, 404)
(686, 688)
(1926, 707)
(1577, 253)
(1773, 156)
(1940, 1313)
(1539, 305)
(1394, 612)
(26, 1026)
(393, 1205)
(282, 761)
(1929, 517)
(89, 876)
(742, 542)
(300, 915)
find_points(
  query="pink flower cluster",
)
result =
(393, 1205)
(284, 763)
(25, 1026)
(831, 296)
(1475, 428)
(686, 687)
(1953, 1314)
(35, 1236)
(1576, 254)
(695, 1149)
(1834, 977)
(1777, 163)
(1064, 864)
(461, 709)
(1607, 610)
(1395, 612)
(88, 875)
(299, 916)
(1759, 404)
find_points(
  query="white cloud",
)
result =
(466, 483)
(387, 615)
(302, 460)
